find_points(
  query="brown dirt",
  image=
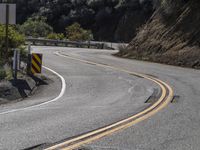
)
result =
(172, 38)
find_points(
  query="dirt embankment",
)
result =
(171, 36)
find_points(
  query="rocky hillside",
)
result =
(171, 36)
(109, 20)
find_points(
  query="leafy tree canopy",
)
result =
(15, 41)
(102, 17)
(76, 33)
(36, 27)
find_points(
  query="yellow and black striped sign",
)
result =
(36, 63)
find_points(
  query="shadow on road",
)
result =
(23, 86)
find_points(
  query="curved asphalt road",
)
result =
(96, 97)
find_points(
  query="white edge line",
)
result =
(63, 87)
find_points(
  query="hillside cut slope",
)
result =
(171, 36)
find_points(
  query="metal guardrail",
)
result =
(48, 42)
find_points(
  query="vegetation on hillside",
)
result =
(110, 20)
(36, 27)
(56, 36)
(76, 33)
(16, 40)
(2, 71)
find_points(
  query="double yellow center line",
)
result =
(163, 101)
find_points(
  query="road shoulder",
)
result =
(36, 91)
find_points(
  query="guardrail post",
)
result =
(102, 46)
(55, 43)
(88, 44)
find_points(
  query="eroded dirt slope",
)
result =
(171, 36)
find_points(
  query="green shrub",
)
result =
(61, 36)
(76, 33)
(2, 73)
(36, 27)
(52, 36)
(15, 41)
(56, 36)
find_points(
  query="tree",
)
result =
(76, 33)
(57, 12)
(26, 8)
(36, 27)
(15, 41)
(103, 17)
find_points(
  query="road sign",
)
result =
(11, 11)
(36, 63)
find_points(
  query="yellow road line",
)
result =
(116, 126)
